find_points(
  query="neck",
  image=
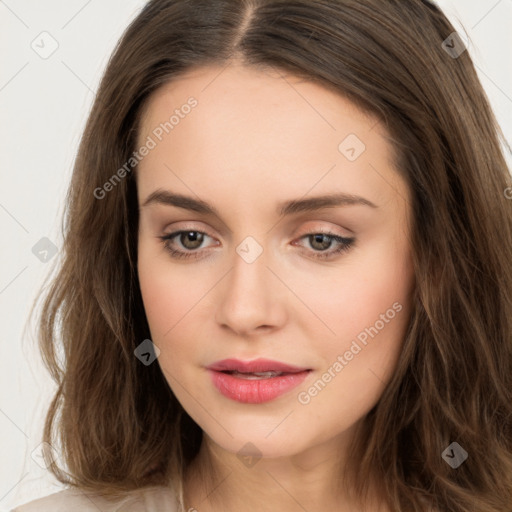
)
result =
(219, 480)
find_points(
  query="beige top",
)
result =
(154, 499)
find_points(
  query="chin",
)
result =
(257, 441)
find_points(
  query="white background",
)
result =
(44, 104)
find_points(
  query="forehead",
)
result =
(261, 132)
(262, 100)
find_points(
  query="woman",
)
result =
(287, 280)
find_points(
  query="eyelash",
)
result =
(345, 244)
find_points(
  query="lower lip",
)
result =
(255, 391)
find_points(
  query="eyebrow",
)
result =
(290, 207)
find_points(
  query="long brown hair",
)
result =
(117, 424)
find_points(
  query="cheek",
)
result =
(166, 303)
(368, 307)
(166, 293)
(367, 301)
(177, 303)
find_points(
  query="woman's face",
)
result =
(316, 289)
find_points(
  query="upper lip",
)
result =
(255, 366)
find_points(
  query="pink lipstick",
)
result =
(255, 382)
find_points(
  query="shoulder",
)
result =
(152, 499)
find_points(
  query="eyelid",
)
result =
(180, 228)
(324, 230)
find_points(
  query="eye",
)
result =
(320, 242)
(191, 240)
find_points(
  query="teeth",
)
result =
(256, 375)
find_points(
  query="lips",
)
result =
(255, 381)
(256, 366)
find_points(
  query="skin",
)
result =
(258, 138)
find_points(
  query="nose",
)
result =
(251, 299)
